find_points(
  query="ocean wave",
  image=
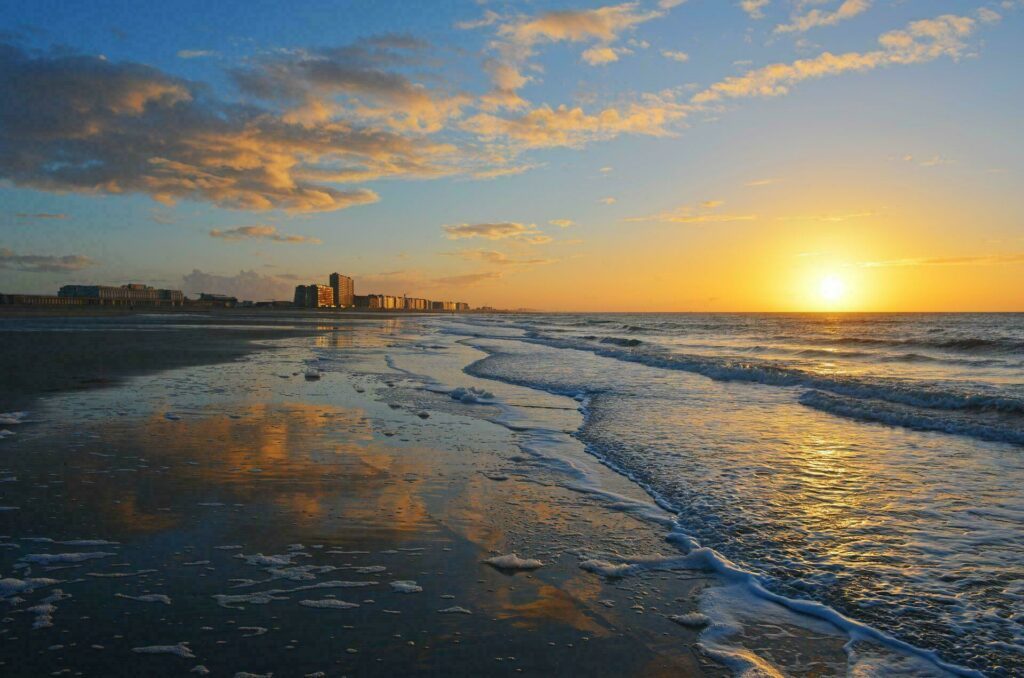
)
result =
(620, 341)
(917, 419)
(920, 395)
(965, 344)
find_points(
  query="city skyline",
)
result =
(668, 155)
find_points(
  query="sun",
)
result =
(831, 289)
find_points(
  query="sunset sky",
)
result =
(700, 155)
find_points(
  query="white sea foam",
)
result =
(406, 586)
(181, 650)
(470, 395)
(691, 619)
(46, 608)
(329, 604)
(55, 558)
(12, 418)
(511, 561)
(12, 587)
(146, 598)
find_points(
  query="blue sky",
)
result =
(710, 155)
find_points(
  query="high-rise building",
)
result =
(314, 296)
(344, 290)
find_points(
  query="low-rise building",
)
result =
(44, 300)
(218, 299)
(132, 293)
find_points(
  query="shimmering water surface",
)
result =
(872, 463)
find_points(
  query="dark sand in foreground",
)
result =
(255, 501)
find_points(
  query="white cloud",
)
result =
(260, 232)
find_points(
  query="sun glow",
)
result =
(832, 289)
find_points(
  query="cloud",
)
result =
(71, 122)
(41, 215)
(816, 17)
(687, 215)
(507, 171)
(497, 258)
(760, 182)
(488, 19)
(359, 80)
(562, 223)
(518, 38)
(546, 127)
(39, 263)
(195, 53)
(921, 41)
(754, 8)
(603, 24)
(832, 218)
(491, 231)
(675, 55)
(260, 232)
(608, 201)
(931, 161)
(602, 54)
(244, 285)
(974, 260)
(467, 279)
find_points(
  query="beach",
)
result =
(413, 505)
(234, 515)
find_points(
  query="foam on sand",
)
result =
(237, 601)
(406, 586)
(455, 609)
(329, 604)
(146, 598)
(46, 608)
(181, 650)
(55, 558)
(12, 587)
(511, 561)
(12, 418)
(470, 395)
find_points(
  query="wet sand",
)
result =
(238, 517)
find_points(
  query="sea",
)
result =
(868, 469)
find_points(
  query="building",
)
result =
(314, 296)
(123, 295)
(44, 300)
(461, 306)
(415, 304)
(442, 305)
(344, 290)
(218, 300)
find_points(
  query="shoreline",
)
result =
(402, 498)
(379, 457)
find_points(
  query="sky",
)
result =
(657, 155)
